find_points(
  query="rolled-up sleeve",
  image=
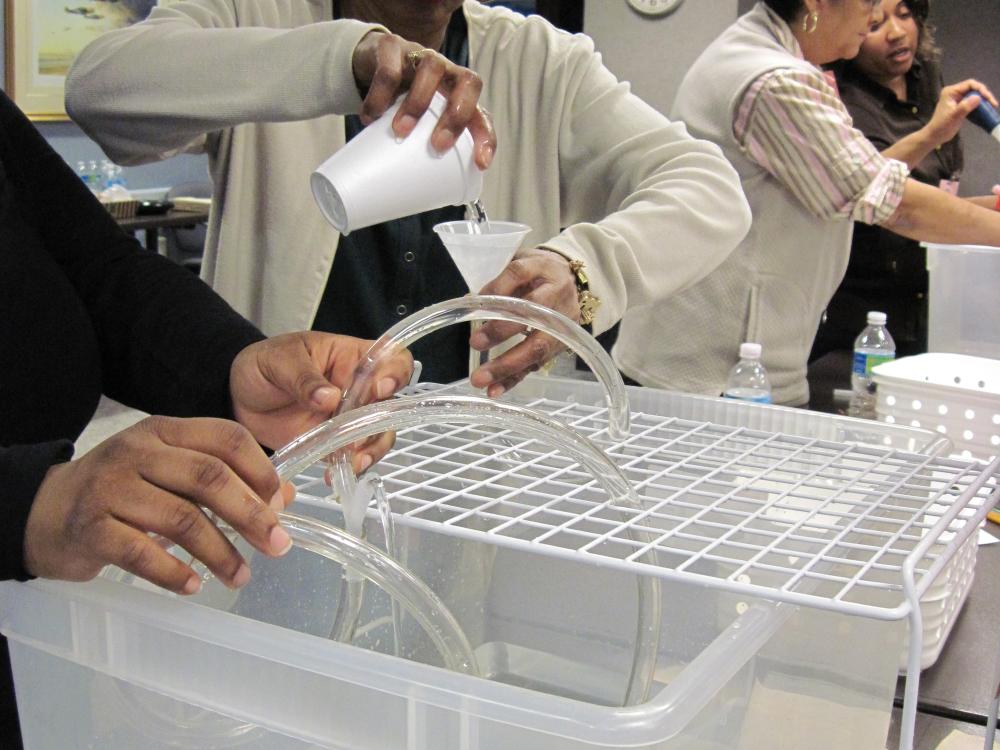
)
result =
(793, 124)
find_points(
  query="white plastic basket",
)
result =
(940, 606)
(955, 395)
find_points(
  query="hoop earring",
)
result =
(811, 22)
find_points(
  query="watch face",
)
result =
(654, 7)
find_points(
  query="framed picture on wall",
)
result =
(44, 37)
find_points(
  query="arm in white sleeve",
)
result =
(161, 87)
(672, 206)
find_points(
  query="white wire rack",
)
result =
(857, 529)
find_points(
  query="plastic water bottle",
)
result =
(748, 379)
(985, 116)
(114, 183)
(87, 172)
(872, 347)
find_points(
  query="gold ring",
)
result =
(413, 58)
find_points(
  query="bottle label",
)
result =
(749, 396)
(865, 363)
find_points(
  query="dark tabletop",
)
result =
(172, 218)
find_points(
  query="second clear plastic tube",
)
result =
(360, 423)
(476, 308)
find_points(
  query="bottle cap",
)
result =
(749, 351)
(876, 318)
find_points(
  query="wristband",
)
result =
(588, 301)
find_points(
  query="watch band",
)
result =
(589, 302)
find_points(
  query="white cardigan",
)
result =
(260, 86)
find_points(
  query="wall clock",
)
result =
(654, 7)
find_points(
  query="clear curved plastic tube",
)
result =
(355, 425)
(411, 411)
(512, 310)
(406, 589)
(461, 310)
(334, 544)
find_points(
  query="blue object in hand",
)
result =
(985, 116)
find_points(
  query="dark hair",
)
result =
(787, 9)
(926, 48)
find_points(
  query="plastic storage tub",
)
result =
(131, 667)
(110, 665)
(963, 306)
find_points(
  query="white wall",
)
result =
(653, 54)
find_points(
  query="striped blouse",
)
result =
(794, 125)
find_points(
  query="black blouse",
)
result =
(385, 272)
(85, 310)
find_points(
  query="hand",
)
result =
(386, 64)
(161, 475)
(538, 275)
(288, 384)
(953, 108)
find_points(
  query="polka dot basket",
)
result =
(955, 395)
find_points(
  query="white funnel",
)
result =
(481, 251)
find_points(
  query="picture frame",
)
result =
(43, 37)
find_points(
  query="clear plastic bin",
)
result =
(130, 667)
(963, 306)
(110, 665)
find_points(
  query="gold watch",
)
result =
(589, 302)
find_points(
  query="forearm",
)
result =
(932, 215)
(991, 202)
(160, 87)
(648, 208)
(912, 149)
(668, 232)
(167, 340)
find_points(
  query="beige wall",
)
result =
(654, 53)
(968, 33)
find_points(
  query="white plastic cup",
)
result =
(377, 177)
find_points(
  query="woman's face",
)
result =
(848, 23)
(889, 50)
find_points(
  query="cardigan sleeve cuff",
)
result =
(22, 469)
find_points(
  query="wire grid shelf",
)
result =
(787, 518)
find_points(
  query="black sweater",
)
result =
(85, 310)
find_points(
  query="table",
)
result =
(957, 691)
(962, 683)
(829, 372)
(153, 223)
